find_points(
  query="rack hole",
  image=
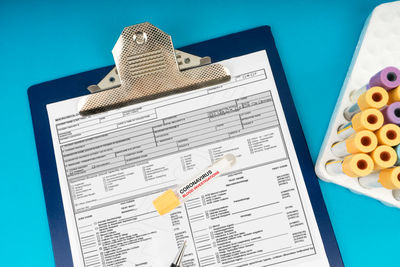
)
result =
(112, 79)
(398, 177)
(366, 141)
(377, 97)
(391, 76)
(385, 156)
(372, 119)
(362, 164)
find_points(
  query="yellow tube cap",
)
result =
(370, 119)
(394, 95)
(375, 97)
(388, 135)
(390, 178)
(357, 165)
(383, 157)
(363, 141)
(166, 202)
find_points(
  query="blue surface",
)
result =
(43, 40)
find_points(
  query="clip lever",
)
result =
(148, 67)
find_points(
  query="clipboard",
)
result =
(218, 49)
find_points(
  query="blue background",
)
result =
(44, 40)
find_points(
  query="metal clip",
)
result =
(148, 67)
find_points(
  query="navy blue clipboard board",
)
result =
(218, 49)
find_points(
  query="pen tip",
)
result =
(179, 257)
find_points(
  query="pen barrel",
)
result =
(369, 119)
(375, 97)
(363, 141)
(355, 165)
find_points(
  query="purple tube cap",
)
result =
(388, 78)
(391, 113)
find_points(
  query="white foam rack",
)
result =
(377, 48)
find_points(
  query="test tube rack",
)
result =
(377, 48)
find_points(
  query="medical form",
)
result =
(112, 165)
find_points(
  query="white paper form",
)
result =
(112, 165)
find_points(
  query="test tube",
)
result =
(370, 119)
(388, 134)
(394, 95)
(387, 178)
(383, 157)
(354, 165)
(391, 113)
(397, 149)
(172, 198)
(388, 79)
(363, 141)
(376, 97)
(396, 194)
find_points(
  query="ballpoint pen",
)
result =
(179, 256)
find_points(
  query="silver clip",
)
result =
(185, 61)
(147, 67)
